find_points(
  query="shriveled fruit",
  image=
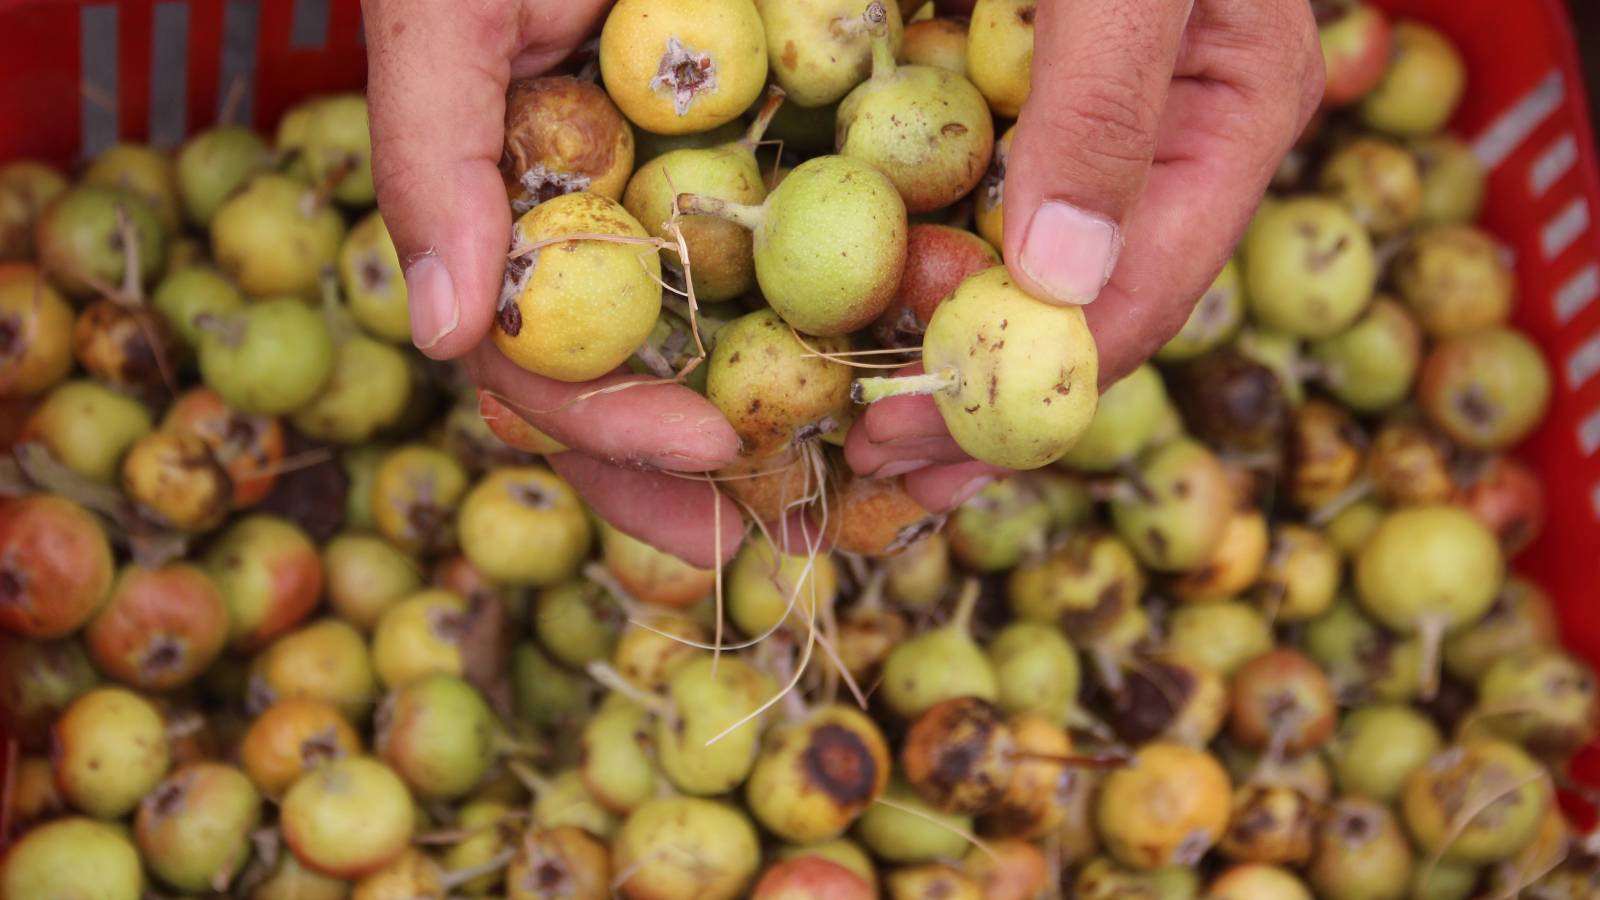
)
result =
(685, 848)
(1230, 401)
(1014, 379)
(563, 135)
(1084, 584)
(194, 829)
(1520, 616)
(160, 628)
(958, 755)
(1270, 823)
(347, 819)
(274, 237)
(683, 66)
(55, 566)
(1033, 802)
(110, 750)
(174, 476)
(576, 308)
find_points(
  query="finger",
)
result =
(874, 460)
(664, 426)
(680, 515)
(1249, 79)
(1085, 139)
(436, 82)
(942, 488)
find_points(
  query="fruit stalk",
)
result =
(745, 214)
(871, 390)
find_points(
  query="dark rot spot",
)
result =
(1154, 695)
(510, 319)
(813, 430)
(374, 275)
(953, 129)
(1475, 407)
(841, 765)
(11, 587)
(447, 625)
(549, 875)
(323, 747)
(164, 655)
(1107, 607)
(1025, 15)
(426, 520)
(10, 337)
(531, 495)
(168, 798)
(1157, 541)
(1356, 828)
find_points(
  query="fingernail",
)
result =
(900, 467)
(432, 298)
(971, 489)
(1070, 253)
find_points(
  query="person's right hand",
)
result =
(437, 76)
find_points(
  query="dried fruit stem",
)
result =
(739, 213)
(455, 879)
(1430, 632)
(612, 679)
(758, 126)
(871, 390)
(965, 604)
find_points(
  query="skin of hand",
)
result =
(1151, 132)
(1150, 136)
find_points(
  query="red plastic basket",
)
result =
(75, 75)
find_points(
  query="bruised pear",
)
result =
(563, 135)
(1013, 378)
(829, 243)
(815, 776)
(773, 389)
(576, 309)
(682, 66)
(926, 128)
(820, 49)
(720, 262)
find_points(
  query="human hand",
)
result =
(438, 74)
(1149, 136)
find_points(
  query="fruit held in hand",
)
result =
(577, 308)
(563, 135)
(829, 243)
(1014, 379)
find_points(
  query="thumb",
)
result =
(436, 86)
(1085, 139)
